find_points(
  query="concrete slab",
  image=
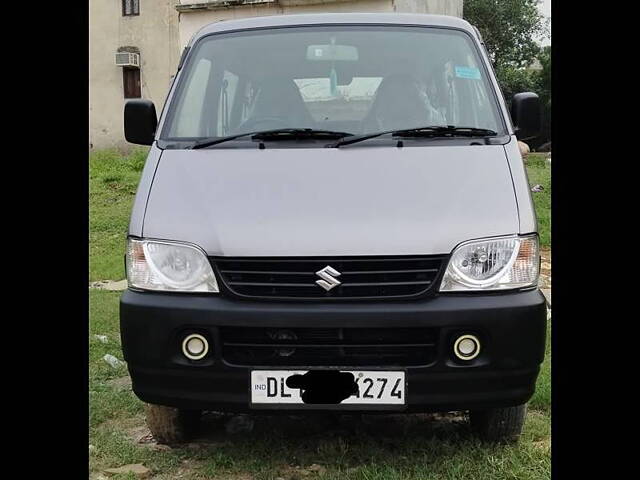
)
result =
(547, 294)
(111, 285)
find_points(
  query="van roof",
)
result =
(335, 18)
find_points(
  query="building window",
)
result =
(130, 7)
(131, 82)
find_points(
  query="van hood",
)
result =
(331, 202)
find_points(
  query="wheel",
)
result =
(170, 425)
(499, 424)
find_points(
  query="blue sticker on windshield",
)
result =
(468, 72)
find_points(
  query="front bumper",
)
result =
(512, 327)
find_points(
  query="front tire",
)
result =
(170, 425)
(499, 424)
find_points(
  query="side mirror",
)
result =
(140, 121)
(526, 115)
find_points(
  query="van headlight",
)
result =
(168, 266)
(499, 263)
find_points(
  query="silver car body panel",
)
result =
(526, 209)
(318, 202)
(142, 194)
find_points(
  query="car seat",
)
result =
(398, 104)
(279, 104)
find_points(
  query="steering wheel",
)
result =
(252, 123)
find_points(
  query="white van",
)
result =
(334, 216)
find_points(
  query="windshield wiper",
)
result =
(430, 131)
(278, 134)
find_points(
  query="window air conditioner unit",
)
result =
(127, 59)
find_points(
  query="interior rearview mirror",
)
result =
(332, 53)
(526, 115)
(140, 121)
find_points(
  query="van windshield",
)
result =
(356, 79)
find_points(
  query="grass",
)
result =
(539, 172)
(113, 179)
(401, 448)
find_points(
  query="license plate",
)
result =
(375, 388)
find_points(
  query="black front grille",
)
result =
(360, 277)
(276, 347)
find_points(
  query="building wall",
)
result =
(164, 27)
(194, 14)
(155, 33)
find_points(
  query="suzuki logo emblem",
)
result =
(328, 276)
